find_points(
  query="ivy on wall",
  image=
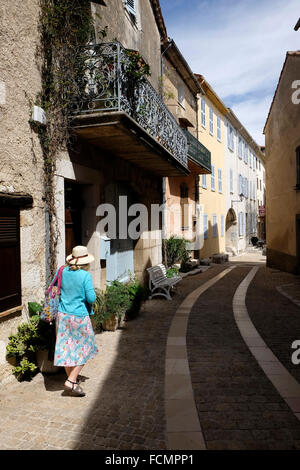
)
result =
(65, 26)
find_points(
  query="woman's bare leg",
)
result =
(73, 374)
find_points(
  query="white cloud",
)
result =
(240, 48)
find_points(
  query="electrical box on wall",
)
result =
(104, 247)
(39, 115)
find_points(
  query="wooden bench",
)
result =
(158, 281)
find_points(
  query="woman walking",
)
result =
(75, 339)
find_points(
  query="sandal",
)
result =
(75, 390)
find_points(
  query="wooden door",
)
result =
(73, 222)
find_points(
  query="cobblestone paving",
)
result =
(276, 317)
(124, 406)
(238, 406)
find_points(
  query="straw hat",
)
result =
(80, 256)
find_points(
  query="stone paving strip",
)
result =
(238, 407)
(283, 381)
(183, 427)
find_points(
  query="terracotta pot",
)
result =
(44, 364)
(111, 323)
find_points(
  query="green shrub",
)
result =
(173, 271)
(176, 251)
(118, 299)
(31, 337)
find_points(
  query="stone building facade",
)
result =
(282, 132)
(118, 156)
(22, 207)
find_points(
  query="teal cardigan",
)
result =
(77, 293)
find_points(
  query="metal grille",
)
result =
(104, 86)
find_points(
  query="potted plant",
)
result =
(46, 341)
(32, 346)
(111, 305)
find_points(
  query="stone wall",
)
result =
(21, 160)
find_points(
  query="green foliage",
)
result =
(136, 68)
(31, 336)
(118, 299)
(25, 370)
(176, 251)
(173, 271)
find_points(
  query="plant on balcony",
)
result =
(134, 72)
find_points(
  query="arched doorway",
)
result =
(231, 239)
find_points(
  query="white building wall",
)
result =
(240, 159)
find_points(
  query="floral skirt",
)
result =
(75, 340)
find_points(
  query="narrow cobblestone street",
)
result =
(237, 406)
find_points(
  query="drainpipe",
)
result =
(164, 181)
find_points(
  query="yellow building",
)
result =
(211, 133)
(180, 92)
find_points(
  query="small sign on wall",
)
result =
(39, 115)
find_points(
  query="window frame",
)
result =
(131, 9)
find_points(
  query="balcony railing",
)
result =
(104, 86)
(198, 152)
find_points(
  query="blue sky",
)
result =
(239, 46)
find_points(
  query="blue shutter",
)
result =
(211, 121)
(215, 225)
(222, 225)
(204, 181)
(228, 136)
(241, 224)
(203, 112)
(219, 128)
(205, 226)
(219, 180)
(213, 178)
(231, 180)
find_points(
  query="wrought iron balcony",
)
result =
(198, 153)
(106, 86)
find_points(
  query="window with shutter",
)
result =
(10, 279)
(131, 6)
(204, 181)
